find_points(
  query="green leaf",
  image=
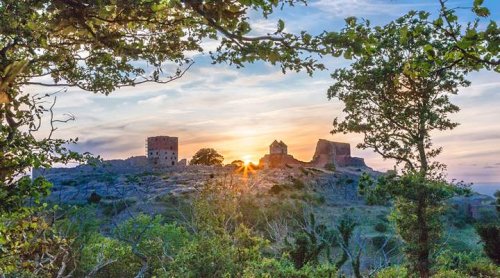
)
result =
(281, 26)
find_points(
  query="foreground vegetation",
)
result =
(226, 230)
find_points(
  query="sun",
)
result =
(247, 160)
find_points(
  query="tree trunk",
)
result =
(423, 263)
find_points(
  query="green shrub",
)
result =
(449, 274)
(466, 264)
(490, 236)
(380, 227)
(396, 271)
(26, 237)
(225, 254)
(100, 249)
(132, 179)
(483, 268)
(157, 241)
(283, 268)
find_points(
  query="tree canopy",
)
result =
(207, 156)
(397, 91)
(102, 45)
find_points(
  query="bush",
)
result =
(100, 249)
(283, 268)
(449, 274)
(490, 236)
(380, 227)
(392, 272)
(157, 241)
(218, 255)
(30, 244)
(464, 264)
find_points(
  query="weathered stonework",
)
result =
(336, 153)
(162, 150)
(327, 153)
(278, 148)
(278, 157)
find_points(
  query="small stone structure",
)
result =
(278, 148)
(278, 157)
(162, 150)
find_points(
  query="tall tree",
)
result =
(397, 93)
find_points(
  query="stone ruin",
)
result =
(336, 153)
(162, 150)
(327, 153)
(278, 157)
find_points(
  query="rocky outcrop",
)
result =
(336, 153)
(276, 160)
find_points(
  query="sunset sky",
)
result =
(239, 112)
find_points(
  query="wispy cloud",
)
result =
(362, 8)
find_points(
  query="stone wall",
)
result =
(278, 148)
(279, 161)
(336, 153)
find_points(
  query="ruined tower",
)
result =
(278, 148)
(162, 150)
(278, 157)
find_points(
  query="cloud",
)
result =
(345, 8)
(104, 144)
(157, 100)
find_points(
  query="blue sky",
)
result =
(240, 112)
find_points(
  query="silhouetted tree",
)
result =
(207, 156)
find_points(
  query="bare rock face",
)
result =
(336, 153)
